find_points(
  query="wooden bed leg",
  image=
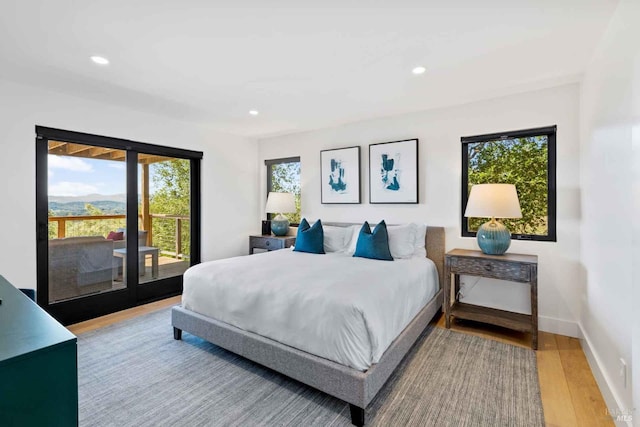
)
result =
(357, 415)
(177, 333)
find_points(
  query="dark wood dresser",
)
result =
(38, 364)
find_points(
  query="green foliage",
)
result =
(79, 208)
(285, 178)
(171, 196)
(53, 227)
(519, 161)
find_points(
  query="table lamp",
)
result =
(279, 203)
(493, 201)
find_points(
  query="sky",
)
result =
(76, 176)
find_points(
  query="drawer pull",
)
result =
(488, 267)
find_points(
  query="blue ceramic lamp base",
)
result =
(493, 238)
(280, 225)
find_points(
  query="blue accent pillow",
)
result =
(310, 239)
(373, 245)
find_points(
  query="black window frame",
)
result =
(550, 132)
(269, 163)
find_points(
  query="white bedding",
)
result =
(335, 306)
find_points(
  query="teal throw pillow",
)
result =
(373, 245)
(310, 239)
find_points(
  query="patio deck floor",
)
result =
(167, 267)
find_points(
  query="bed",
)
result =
(335, 354)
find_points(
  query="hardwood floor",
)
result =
(570, 395)
(100, 322)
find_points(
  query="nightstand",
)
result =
(270, 243)
(511, 267)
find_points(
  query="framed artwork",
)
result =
(340, 174)
(393, 172)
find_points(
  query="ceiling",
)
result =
(302, 65)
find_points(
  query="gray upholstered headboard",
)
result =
(434, 242)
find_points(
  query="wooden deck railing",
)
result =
(178, 234)
(62, 227)
(62, 221)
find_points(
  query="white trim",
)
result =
(558, 326)
(611, 398)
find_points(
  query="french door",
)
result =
(118, 222)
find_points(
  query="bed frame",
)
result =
(351, 385)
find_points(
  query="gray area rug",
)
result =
(135, 374)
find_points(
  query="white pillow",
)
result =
(420, 251)
(351, 239)
(417, 240)
(334, 238)
(402, 240)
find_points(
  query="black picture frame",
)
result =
(351, 194)
(405, 174)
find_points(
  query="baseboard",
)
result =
(558, 326)
(611, 399)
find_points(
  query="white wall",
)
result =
(229, 175)
(608, 123)
(636, 239)
(439, 132)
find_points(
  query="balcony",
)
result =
(171, 241)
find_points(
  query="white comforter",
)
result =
(335, 306)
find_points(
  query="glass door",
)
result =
(117, 222)
(86, 219)
(164, 208)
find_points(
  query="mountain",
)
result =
(109, 204)
(90, 198)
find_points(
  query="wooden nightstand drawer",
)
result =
(270, 243)
(491, 268)
(267, 243)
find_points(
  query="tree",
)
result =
(171, 196)
(519, 161)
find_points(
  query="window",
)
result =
(283, 176)
(525, 158)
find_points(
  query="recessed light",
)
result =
(419, 70)
(254, 112)
(100, 60)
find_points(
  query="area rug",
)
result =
(134, 373)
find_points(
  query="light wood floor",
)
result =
(570, 395)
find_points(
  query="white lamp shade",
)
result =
(493, 201)
(280, 203)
